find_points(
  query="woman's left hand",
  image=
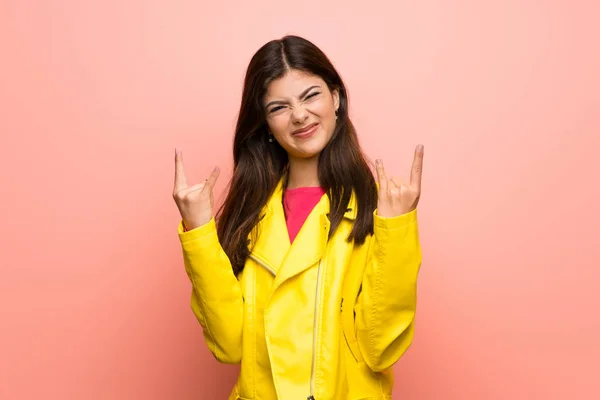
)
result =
(395, 196)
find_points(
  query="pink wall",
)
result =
(94, 96)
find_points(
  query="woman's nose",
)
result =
(299, 114)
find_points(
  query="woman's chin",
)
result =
(306, 151)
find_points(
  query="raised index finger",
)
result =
(180, 181)
(417, 167)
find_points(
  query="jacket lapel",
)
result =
(309, 245)
(273, 240)
(311, 242)
(273, 246)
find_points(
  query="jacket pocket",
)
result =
(348, 325)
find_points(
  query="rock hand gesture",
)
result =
(396, 197)
(195, 203)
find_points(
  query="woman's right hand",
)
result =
(195, 203)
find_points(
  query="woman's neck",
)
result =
(303, 172)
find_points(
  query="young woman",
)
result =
(308, 275)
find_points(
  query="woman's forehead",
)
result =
(293, 83)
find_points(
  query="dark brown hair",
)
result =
(259, 164)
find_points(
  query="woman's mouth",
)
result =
(306, 132)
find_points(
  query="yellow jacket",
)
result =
(316, 318)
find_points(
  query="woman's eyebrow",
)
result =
(304, 93)
(307, 90)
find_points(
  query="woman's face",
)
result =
(300, 112)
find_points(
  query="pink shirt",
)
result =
(298, 203)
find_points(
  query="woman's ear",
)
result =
(336, 99)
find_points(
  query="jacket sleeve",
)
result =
(386, 305)
(216, 298)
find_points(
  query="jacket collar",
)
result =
(273, 246)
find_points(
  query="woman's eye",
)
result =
(275, 109)
(312, 95)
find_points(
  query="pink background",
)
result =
(94, 96)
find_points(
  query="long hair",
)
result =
(259, 164)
